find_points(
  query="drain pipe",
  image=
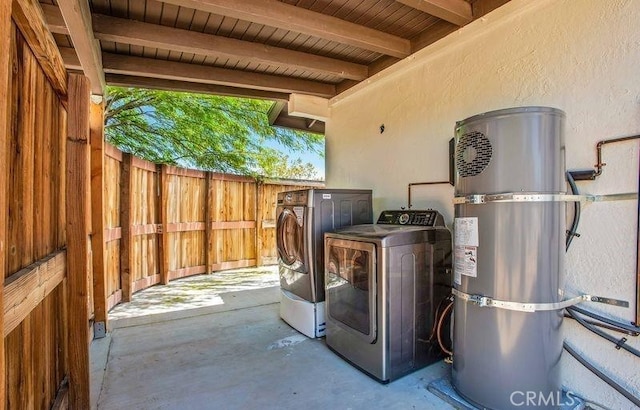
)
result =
(421, 183)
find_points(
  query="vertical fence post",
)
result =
(78, 194)
(164, 202)
(259, 194)
(126, 222)
(208, 233)
(158, 219)
(5, 41)
(97, 220)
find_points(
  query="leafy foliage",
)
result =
(223, 134)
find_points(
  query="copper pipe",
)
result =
(599, 145)
(421, 183)
(599, 165)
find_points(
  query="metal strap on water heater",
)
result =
(484, 301)
(513, 197)
(533, 197)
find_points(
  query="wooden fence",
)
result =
(34, 352)
(163, 223)
(83, 226)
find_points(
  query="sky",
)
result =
(312, 157)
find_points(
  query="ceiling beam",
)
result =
(77, 18)
(171, 70)
(137, 33)
(298, 123)
(457, 12)
(70, 58)
(72, 62)
(308, 106)
(156, 36)
(278, 116)
(183, 86)
(54, 19)
(288, 17)
(275, 110)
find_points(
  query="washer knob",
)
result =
(403, 219)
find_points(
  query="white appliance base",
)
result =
(304, 316)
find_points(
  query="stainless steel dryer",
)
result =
(303, 217)
(384, 282)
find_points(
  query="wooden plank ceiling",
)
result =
(251, 48)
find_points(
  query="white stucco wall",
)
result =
(582, 56)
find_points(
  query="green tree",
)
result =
(223, 134)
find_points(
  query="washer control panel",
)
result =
(429, 217)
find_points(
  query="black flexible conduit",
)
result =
(635, 400)
(604, 326)
(577, 207)
(633, 330)
(620, 343)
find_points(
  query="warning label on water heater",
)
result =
(466, 248)
(466, 262)
(466, 232)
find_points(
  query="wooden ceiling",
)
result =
(251, 48)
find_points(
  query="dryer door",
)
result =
(290, 238)
(350, 275)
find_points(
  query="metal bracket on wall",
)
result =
(485, 301)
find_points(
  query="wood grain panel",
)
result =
(78, 228)
(27, 288)
(36, 360)
(29, 19)
(6, 36)
(113, 152)
(126, 220)
(98, 207)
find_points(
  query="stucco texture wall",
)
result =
(582, 56)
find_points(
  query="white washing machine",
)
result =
(384, 282)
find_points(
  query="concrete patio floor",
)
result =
(236, 354)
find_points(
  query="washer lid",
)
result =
(388, 235)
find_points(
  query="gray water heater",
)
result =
(509, 235)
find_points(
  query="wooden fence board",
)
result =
(112, 234)
(114, 299)
(6, 39)
(145, 282)
(78, 229)
(191, 173)
(126, 220)
(164, 245)
(22, 171)
(112, 152)
(30, 20)
(208, 218)
(27, 288)
(33, 199)
(34, 360)
(98, 242)
(143, 164)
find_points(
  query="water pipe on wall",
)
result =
(592, 174)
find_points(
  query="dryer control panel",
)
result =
(429, 217)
